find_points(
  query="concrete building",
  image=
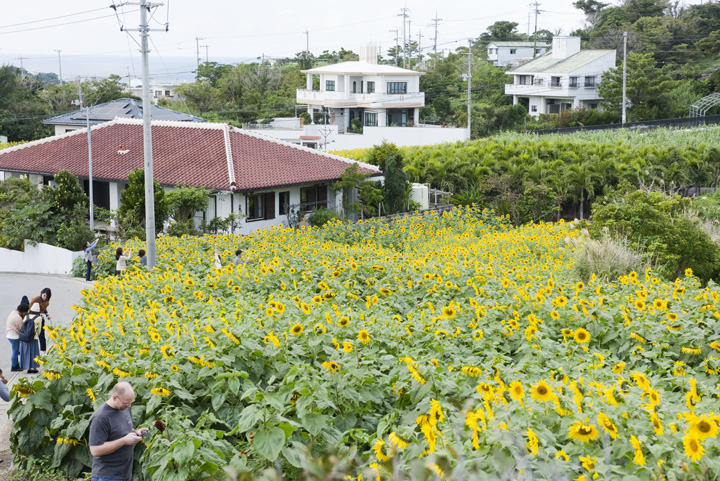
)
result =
(565, 78)
(513, 52)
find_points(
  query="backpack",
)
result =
(27, 331)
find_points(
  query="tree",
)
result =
(182, 204)
(305, 60)
(502, 30)
(99, 91)
(212, 71)
(132, 201)
(201, 96)
(395, 188)
(350, 180)
(67, 194)
(647, 88)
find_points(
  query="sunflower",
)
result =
(639, 458)
(343, 322)
(328, 295)
(562, 454)
(554, 314)
(582, 336)
(567, 332)
(583, 432)
(305, 308)
(608, 425)
(297, 329)
(384, 291)
(618, 368)
(657, 425)
(693, 449)
(331, 366)
(167, 351)
(363, 336)
(560, 301)
(532, 443)
(347, 346)
(702, 428)
(517, 392)
(640, 305)
(448, 312)
(323, 285)
(688, 272)
(158, 391)
(542, 392)
(588, 463)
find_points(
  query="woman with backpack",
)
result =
(29, 349)
(43, 300)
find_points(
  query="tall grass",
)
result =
(607, 258)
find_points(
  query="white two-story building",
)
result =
(514, 52)
(378, 95)
(566, 78)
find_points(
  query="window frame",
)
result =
(330, 86)
(319, 194)
(397, 88)
(372, 115)
(513, 51)
(590, 81)
(265, 209)
(371, 87)
(284, 202)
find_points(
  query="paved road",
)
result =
(65, 293)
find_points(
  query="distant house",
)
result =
(257, 176)
(122, 108)
(383, 100)
(514, 52)
(158, 91)
(563, 79)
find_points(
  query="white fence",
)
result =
(38, 259)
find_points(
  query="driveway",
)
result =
(65, 294)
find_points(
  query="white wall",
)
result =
(408, 136)
(39, 259)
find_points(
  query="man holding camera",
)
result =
(112, 436)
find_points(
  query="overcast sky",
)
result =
(234, 30)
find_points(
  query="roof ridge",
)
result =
(229, 157)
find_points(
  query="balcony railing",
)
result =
(320, 95)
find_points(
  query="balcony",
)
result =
(365, 100)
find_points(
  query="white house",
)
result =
(260, 177)
(513, 52)
(119, 108)
(158, 91)
(565, 78)
(384, 100)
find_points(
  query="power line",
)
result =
(51, 18)
(59, 24)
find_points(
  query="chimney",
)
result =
(368, 54)
(564, 47)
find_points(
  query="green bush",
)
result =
(321, 217)
(655, 224)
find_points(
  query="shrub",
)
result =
(321, 217)
(655, 224)
(608, 258)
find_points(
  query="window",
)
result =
(284, 203)
(330, 85)
(533, 108)
(371, 87)
(158, 93)
(312, 198)
(397, 87)
(589, 81)
(592, 106)
(260, 206)
(555, 81)
(354, 87)
(573, 82)
(513, 51)
(371, 120)
(167, 93)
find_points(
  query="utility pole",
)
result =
(435, 22)
(307, 40)
(59, 66)
(624, 99)
(469, 80)
(207, 57)
(129, 77)
(197, 49)
(397, 45)
(409, 46)
(144, 29)
(537, 11)
(22, 69)
(90, 173)
(404, 15)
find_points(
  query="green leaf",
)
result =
(218, 398)
(269, 442)
(234, 385)
(314, 423)
(294, 454)
(183, 452)
(249, 416)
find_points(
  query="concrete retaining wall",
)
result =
(38, 259)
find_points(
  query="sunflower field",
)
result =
(447, 346)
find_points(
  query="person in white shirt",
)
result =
(121, 259)
(12, 332)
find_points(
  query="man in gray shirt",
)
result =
(112, 437)
(238, 258)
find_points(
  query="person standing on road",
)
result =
(29, 347)
(43, 300)
(112, 436)
(121, 259)
(88, 258)
(12, 332)
(4, 389)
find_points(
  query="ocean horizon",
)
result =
(176, 70)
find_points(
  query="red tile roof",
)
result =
(200, 155)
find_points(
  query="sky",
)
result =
(89, 35)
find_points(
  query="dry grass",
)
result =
(607, 258)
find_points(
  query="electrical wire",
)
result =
(52, 18)
(58, 24)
